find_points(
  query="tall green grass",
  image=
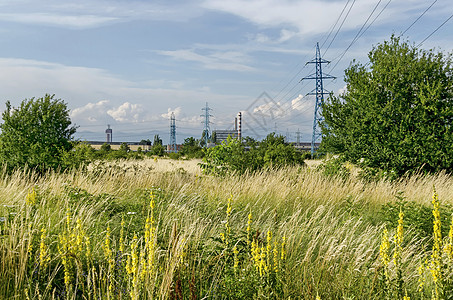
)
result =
(331, 230)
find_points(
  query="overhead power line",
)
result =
(358, 35)
(419, 17)
(341, 25)
(435, 30)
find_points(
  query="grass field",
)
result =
(159, 229)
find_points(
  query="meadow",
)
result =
(160, 229)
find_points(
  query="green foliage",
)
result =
(334, 167)
(397, 112)
(80, 155)
(173, 155)
(157, 140)
(36, 134)
(232, 156)
(191, 148)
(145, 142)
(157, 149)
(105, 148)
(418, 216)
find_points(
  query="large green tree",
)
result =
(397, 111)
(36, 134)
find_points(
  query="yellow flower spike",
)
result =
(229, 207)
(80, 236)
(31, 197)
(436, 256)
(406, 297)
(43, 250)
(63, 250)
(283, 251)
(263, 265)
(235, 258)
(134, 265)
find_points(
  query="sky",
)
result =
(131, 64)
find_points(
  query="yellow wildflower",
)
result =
(31, 197)
(43, 250)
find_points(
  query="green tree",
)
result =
(157, 149)
(36, 134)
(157, 140)
(191, 148)
(397, 111)
(233, 156)
(124, 148)
(145, 142)
(105, 148)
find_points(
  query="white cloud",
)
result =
(128, 112)
(93, 13)
(91, 112)
(73, 21)
(310, 17)
(227, 60)
(177, 111)
(97, 97)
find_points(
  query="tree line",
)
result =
(395, 117)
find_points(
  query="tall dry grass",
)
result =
(331, 226)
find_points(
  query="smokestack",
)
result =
(239, 127)
(109, 133)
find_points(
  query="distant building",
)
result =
(222, 135)
(109, 133)
(170, 148)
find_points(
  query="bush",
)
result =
(232, 156)
(396, 114)
(36, 134)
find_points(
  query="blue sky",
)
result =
(131, 63)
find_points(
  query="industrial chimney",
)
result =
(109, 132)
(239, 126)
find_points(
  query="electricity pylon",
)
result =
(319, 92)
(207, 129)
(173, 133)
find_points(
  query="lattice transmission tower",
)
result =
(207, 130)
(173, 133)
(319, 92)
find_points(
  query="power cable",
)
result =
(435, 30)
(356, 36)
(419, 17)
(335, 24)
(338, 30)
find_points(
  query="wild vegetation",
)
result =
(249, 221)
(396, 113)
(128, 233)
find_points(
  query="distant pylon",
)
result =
(172, 133)
(319, 92)
(207, 129)
(298, 137)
